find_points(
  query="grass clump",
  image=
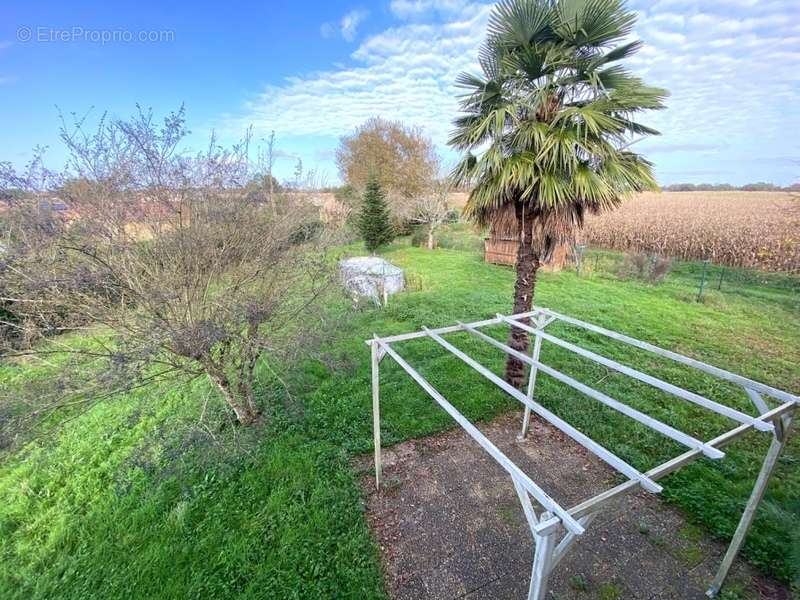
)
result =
(579, 583)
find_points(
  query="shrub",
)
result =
(306, 232)
(419, 236)
(403, 227)
(649, 268)
(453, 216)
(661, 267)
(185, 275)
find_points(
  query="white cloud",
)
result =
(730, 73)
(347, 26)
(350, 23)
(731, 68)
(404, 73)
(671, 20)
(415, 9)
(660, 36)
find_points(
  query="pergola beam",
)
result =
(402, 337)
(569, 539)
(604, 498)
(516, 473)
(638, 416)
(584, 440)
(691, 362)
(645, 378)
(757, 400)
(376, 352)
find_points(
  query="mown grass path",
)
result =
(134, 497)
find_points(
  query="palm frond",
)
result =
(637, 128)
(618, 53)
(634, 96)
(613, 77)
(593, 23)
(470, 82)
(529, 61)
(519, 22)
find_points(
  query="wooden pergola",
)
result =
(554, 527)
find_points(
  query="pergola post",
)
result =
(526, 417)
(780, 437)
(542, 563)
(376, 411)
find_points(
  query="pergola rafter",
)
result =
(547, 525)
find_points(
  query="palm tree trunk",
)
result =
(527, 266)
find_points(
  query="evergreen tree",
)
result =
(373, 224)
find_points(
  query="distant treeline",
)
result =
(759, 186)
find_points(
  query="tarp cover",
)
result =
(371, 276)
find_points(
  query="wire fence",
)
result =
(700, 281)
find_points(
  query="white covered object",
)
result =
(371, 276)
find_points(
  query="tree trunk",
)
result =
(271, 196)
(244, 411)
(430, 238)
(527, 266)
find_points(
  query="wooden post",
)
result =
(781, 436)
(542, 563)
(526, 417)
(376, 413)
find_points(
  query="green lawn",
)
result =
(135, 496)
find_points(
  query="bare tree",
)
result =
(179, 272)
(270, 164)
(431, 209)
(265, 180)
(297, 182)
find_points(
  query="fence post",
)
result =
(703, 280)
(579, 250)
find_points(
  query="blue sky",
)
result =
(313, 71)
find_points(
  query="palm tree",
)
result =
(546, 129)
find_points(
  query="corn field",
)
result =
(738, 229)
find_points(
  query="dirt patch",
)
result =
(449, 525)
